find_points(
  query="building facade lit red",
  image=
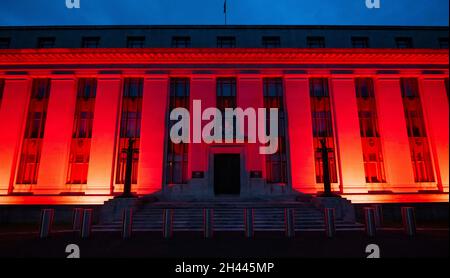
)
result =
(67, 111)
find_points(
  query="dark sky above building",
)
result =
(240, 12)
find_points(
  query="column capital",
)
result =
(202, 76)
(15, 75)
(249, 77)
(295, 76)
(62, 77)
(156, 77)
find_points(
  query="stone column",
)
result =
(13, 115)
(394, 137)
(153, 134)
(348, 139)
(300, 135)
(435, 108)
(104, 135)
(57, 136)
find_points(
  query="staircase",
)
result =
(228, 217)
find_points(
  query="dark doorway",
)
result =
(227, 177)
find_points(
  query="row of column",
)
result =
(392, 125)
(58, 130)
(58, 134)
(249, 94)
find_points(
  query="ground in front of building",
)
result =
(392, 243)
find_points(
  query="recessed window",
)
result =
(360, 42)
(370, 137)
(226, 42)
(276, 164)
(271, 42)
(135, 42)
(315, 42)
(443, 43)
(446, 88)
(90, 42)
(404, 42)
(322, 125)
(226, 98)
(177, 154)
(46, 42)
(2, 85)
(5, 43)
(181, 42)
(415, 126)
(130, 127)
(34, 132)
(82, 132)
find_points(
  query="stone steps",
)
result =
(227, 218)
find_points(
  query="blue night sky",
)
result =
(302, 12)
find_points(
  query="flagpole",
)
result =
(225, 11)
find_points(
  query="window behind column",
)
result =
(322, 126)
(177, 154)
(82, 132)
(226, 98)
(370, 137)
(415, 124)
(2, 86)
(130, 127)
(276, 165)
(446, 88)
(34, 132)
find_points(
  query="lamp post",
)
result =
(128, 171)
(326, 171)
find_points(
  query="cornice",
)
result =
(105, 56)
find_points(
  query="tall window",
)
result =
(446, 88)
(34, 132)
(370, 137)
(226, 98)
(2, 86)
(415, 124)
(276, 165)
(177, 154)
(130, 127)
(82, 132)
(322, 126)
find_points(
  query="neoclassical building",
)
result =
(72, 97)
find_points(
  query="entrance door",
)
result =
(227, 174)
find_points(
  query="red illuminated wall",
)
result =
(157, 66)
